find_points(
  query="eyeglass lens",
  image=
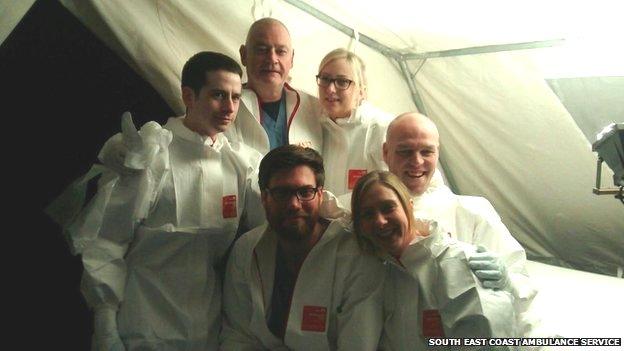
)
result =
(303, 194)
(341, 83)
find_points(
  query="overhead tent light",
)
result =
(610, 147)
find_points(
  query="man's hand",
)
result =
(490, 270)
(133, 150)
(114, 153)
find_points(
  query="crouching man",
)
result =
(300, 281)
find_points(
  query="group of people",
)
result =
(268, 219)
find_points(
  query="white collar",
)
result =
(176, 125)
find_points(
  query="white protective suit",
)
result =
(353, 146)
(345, 285)
(473, 220)
(432, 292)
(159, 266)
(303, 121)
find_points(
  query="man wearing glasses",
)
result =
(300, 281)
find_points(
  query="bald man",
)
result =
(272, 113)
(411, 151)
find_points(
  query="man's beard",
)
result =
(299, 229)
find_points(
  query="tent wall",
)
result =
(156, 37)
(593, 102)
(505, 134)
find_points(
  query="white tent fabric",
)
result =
(577, 304)
(505, 134)
(11, 12)
(157, 37)
(594, 102)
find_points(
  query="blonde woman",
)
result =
(353, 130)
(431, 291)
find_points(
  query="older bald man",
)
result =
(272, 112)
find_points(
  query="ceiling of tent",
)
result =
(505, 133)
(593, 102)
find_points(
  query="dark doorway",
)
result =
(63, 94)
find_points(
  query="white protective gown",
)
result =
(335, 278)
(431, 292)
(473, 220)
(161, 269)
(303, 119)
(353, 146)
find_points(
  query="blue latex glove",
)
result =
(489, 268)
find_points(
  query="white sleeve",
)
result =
(360, 313)
(253, 213)
(375, 139)
(104, 277)
(132, 150)
(236, 333)
(492, 233)
(113, 154)
(466, 308)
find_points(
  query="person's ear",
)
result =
(385, 152)
(263, 197)
(243, 55)
(362, 95)
(188, 97)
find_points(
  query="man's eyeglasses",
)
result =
(303, 194)
(339, 83)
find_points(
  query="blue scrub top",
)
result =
(276, 126)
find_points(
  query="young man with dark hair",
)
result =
(300, 282)
(151, 240)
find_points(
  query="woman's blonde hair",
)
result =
(390, 181)
(357, 65)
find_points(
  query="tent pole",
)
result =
(484, 49)
(411, 83)
(364, 39)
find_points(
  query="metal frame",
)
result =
(603, 191)
(401, 59)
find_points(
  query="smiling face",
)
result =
(267, 55)
(383, 220)
(339, 103)
(411, 151)
(214, 108)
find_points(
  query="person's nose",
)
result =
(380, 221)
(293, 202)
(273, 57)
(331, 87)
(228, 105)
(419, 159)
(416, 159)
